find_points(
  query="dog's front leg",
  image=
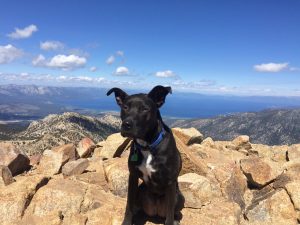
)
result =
(170, 204)
(131, 198)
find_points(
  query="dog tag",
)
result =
(134, 157)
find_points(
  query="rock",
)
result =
(107, 214)
(75, 219)
(13, 158)
(188, 136)
(54, 218)
(35, 159)
(293, 191)
(93, 178)
(96, 198)
(258, 173)
(52, 160)
(276, 209)
(97, 152)
(279, 153)
(95, 174)
(102, 208)
(220, 184)
(208, 142)
(191, 162)
(263, 151)
(5, 176)
(114, 146)
(95, 165)
(59, 194)
(219, 212)
(75, 167)
(293, 153)
(116, 172)
(17, 196)
(242, 142)
(197, 190)
(236, 187)
(85, 147)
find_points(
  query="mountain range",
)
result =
(271, 127)
(31, 102)
(79, 112)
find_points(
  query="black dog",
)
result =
(153, 157)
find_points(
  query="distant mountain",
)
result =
(68, 127)
(25, 102)
(271, 127)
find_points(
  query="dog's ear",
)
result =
(120, 95)
(158, 94)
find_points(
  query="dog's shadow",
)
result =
(141, 219)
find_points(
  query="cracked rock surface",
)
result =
(224, 183)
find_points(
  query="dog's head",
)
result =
(140, 112)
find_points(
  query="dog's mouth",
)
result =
(129, 134)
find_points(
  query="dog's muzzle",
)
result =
(127, 128)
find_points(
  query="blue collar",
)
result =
(155, 143)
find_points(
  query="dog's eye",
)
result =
(125, 107)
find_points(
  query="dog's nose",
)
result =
(127, 125)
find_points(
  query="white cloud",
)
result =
(122, 70)
(165, 74)
(40, 60)
(120, 53)
(110, 60)
(41, 78)
(9, 53)
(93, 69)
(23, 33)
(67, 62)
(80, 79)
(271, 67)
(51, 45)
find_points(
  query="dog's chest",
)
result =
(146, 166)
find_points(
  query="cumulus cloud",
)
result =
(93, 69)
(26, 32)
(122, 70)
(51, 45)
(271, 67)
(110, 60)
(165, 74)
(9, 53)
(65, 62)
(40, 60)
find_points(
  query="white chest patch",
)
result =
(146, 167)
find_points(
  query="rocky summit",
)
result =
(85, 183)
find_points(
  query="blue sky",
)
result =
(212, 47)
